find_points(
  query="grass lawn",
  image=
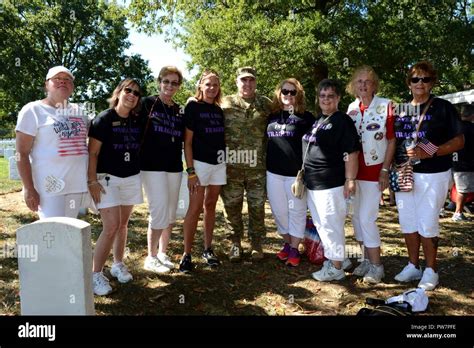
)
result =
(263, 288)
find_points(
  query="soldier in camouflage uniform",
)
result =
(245, 125)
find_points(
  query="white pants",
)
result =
(366, 211)
(288, 211)
(418, 210)
(328, 210)
(162, 192)
(67, 205)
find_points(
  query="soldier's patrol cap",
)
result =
(246, 71)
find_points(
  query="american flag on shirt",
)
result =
(73, 142)
(427, 146)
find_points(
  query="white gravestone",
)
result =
(9, 152)
(59, 280)
(13, 169)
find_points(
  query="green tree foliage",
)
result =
(88, 36)
(311, 40)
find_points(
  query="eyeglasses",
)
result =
(364, 82)
(59, 79)
(173, 83)
(327, 96)
(288, 91)
(426, 79)
(128, 90)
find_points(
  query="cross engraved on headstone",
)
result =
(63, 268)
(48, 238)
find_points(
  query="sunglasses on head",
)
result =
(426, 79)
(128, 90)
(288, 91)
(173, 83)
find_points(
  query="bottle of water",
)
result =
(350, 205)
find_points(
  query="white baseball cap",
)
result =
(58, 69)
(416, 297)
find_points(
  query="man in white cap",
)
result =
(52, 150)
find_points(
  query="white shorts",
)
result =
(366, 211)
(288, 211)
(67, 205)
(210, 174)
(328, 210)
(120, 191)
(418, 210)
(464, 181)
(162, 192)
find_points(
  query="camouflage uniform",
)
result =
(245, 129)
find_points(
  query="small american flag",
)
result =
(427, 146)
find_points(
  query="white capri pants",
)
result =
(67, 205)
(288, 211)
(366, 211)
(328, 210)
(162, 192)
(418, 210)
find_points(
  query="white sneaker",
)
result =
(362, 269)
(101, 284)
(329, 272)
(165, 260)
(430, 279)
(153, 264)
(375, 274)
(346, 264)
(120, 271)
(459, 217)
(409, 273)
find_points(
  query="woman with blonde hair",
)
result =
(204, 149)
(287, 124)
(373, 118)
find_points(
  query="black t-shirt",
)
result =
(464, 159)
(440, 124)
(334, 140)
(207, 123)
(120, 138)
(284, 132)
(163, 139)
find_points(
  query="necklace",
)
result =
(283, 122)
(126, 123)
(168, 117)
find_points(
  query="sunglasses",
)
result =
(173, 83)
(288, 91)
(128, 90)
(426, 79)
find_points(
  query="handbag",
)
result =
(401, 178)
(313, 247)
(298, 188)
